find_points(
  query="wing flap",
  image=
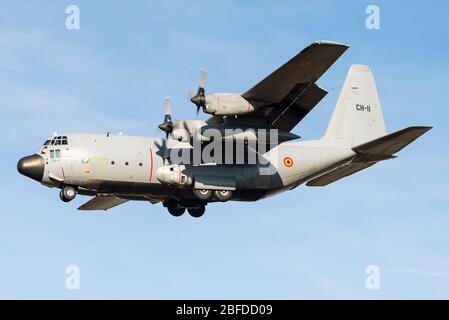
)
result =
(102, 203)
(295, 106)
(306, 67)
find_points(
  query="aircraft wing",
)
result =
(290, 92)
(305, 68)
(102, 203)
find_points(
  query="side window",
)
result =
(52, 154)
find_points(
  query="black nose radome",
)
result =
(32, 167)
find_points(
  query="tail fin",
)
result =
(357, 117)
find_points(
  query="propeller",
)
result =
(167, 125)
(163, 150)
(200, 98)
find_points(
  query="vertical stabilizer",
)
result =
(357, 117)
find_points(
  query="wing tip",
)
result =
(330, 43)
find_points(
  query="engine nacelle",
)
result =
(226, 104)
(174, 174)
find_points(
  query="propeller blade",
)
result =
(167, 105)
(190, 94)
(167, 126)
(203, 78)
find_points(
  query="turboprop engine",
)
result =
(226, 104)
(220, 104)
(174, 174)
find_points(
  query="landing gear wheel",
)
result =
(67, 193)
(202, 194)
(61, 196)
(222, 195)
(197, 212)
(175, 209)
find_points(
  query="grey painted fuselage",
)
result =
(126, 166)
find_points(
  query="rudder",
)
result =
(357, 117)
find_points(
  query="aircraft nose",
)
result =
(32, 167)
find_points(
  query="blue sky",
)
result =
(112, 75)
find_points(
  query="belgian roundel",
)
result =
(288, 162)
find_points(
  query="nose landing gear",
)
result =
(67, 193)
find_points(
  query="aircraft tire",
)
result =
(175, 209)
(197, 212)
(61, 196)
(67, 193)
(222, 195)
(202, 194)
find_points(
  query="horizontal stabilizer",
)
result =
(393, 142)
(102, 203)
(338, 174)
(370, 153)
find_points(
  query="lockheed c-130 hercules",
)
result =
(254, 133)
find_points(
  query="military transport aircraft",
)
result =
(117, 168)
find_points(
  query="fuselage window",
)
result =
(52, 154)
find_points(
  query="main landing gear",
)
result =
(219, 195)
(67, 193)
(177, 210)
(197, 212)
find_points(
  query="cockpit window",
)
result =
(56, 141)
(55, 153)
